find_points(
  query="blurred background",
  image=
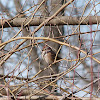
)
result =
(22, 67)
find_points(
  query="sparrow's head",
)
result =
(46, 48)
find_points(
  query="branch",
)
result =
(4, 9)
(50, 97)
(86, 86)
(49, 39)
(63, 20)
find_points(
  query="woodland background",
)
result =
(70, 27)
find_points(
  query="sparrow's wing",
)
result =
(53, 54)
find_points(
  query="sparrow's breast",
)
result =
(48, 58)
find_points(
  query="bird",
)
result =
(49, 55)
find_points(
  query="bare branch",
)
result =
(4, 9)
(63, 20)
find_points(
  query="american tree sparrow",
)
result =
(49, 55)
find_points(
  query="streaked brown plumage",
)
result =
(49, 55)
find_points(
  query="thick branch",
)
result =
(63, 20)
(50, 97)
